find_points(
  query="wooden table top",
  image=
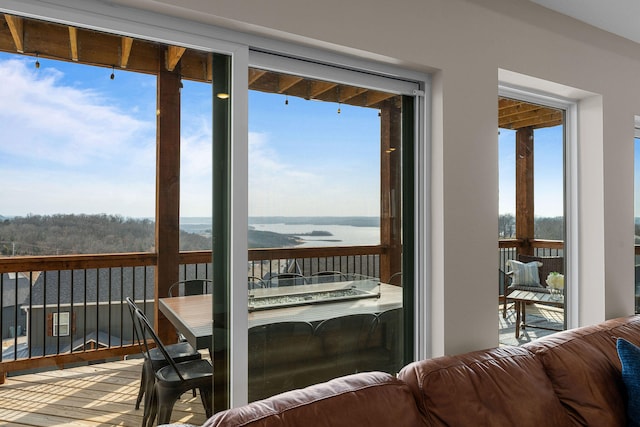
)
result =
(541, 297)
(192, 315)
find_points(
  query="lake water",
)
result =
(342, 235)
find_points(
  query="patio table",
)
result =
(522, 298)
(191, 315)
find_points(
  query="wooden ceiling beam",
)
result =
(255, 74)
(317, 88)
(515, 114)
(286, 82)
(346, 93)
(16, 27)
(375, 97)
(73, 43)
(554, 118)
(64, 43)
(174, 54)
(517, 109)
(127, 43)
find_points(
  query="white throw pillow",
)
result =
(525, 274)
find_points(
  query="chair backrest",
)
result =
(391, 327)
(279, 342)
(146, 332)
(549, 264)
(345, 334)
(287, 279)
(191, 287)
(396, 278)
(329, 277)
(137, 333)
(256, 283)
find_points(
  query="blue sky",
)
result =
(548, 172)
(306, 159)
(73, 140)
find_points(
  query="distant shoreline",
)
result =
(354, 221)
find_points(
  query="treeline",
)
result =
(551, 228)
(84, 234)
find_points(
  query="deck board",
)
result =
(94, 395)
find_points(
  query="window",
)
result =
(61, 324)
(532, 214)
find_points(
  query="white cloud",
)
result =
(279, 185)
(63, 124)
(64, 150)
(196, 170)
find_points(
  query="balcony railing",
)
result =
(508, 249)
(60, 310)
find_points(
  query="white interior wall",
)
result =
(465, 43)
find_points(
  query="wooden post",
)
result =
(167, 194)
(524, 189)
(390, 189)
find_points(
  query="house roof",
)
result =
(92, 285)
(15, 289)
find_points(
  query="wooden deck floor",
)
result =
(96, 395)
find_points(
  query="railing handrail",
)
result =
(75, 262)
(136, 259)
(534, 243)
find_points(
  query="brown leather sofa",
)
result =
(571, 378)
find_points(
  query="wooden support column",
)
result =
(390, 189)
(167, 193)
(524, 189)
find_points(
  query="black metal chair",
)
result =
(390, 331)
(191, 287)
(154, 359)
(396, 278)
(279, 355)
(256, 283)
(173, 379)
(344, 340)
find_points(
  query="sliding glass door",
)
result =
(327, 276)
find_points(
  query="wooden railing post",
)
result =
(167, 193)
(524, 189)
(390, 190)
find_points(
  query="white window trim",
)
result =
(572, 237)
(61, 320)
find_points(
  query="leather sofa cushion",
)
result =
(585, 370)
(371, 399)
(498, 387)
